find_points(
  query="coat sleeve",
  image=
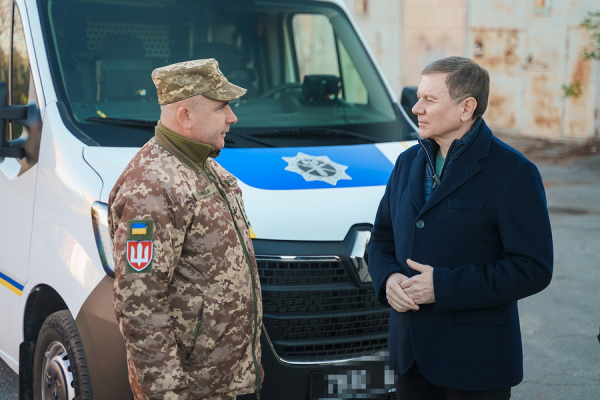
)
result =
(140, 303)
(527, 256)
(381, 250)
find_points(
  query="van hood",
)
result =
(292, 193)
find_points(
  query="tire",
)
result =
(60, 370)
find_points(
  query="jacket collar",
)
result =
(190, 152)
(456, 147)
(464, 168)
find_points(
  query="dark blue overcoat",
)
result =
(486, 232)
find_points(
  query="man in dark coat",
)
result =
(461, 234)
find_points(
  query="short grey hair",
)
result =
(465, 79)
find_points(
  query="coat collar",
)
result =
(464, 168)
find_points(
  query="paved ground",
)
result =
(9, 384)
(559, 325)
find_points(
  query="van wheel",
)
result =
(60, 370)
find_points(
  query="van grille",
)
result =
(284, 272)
(335, 351)
(313, 311)
(319, 301)
(325, 328)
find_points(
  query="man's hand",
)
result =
(396, 296)
(420, 287)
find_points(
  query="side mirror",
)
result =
(408, 98)
(14, 148)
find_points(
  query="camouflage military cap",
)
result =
(179, 81)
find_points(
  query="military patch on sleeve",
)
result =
(140, 246)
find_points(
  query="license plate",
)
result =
(371, 380)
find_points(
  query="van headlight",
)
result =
(103, 242)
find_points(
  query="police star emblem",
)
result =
(140, 246)
(317, 168)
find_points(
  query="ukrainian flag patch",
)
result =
(140, 246)
(139, 228)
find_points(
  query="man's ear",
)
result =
(469, 106)
(183, 117)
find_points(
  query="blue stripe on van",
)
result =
(264, 168)
(11, 284)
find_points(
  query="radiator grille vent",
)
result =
(314, 311)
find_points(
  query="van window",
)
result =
(315, 45)
(5, 18)
(20, 76)
(310, 81)
(15, 74)
(319, 52)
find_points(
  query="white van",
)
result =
(319, 131)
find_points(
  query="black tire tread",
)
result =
(63, 324)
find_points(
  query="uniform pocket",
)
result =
(240, 203)
(205, 193)
(197, 330)
(205, 337)
(466, 204)
(485, 316)
(230, 181)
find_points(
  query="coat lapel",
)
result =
(416, 183)
(464, 168)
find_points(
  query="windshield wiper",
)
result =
(134, 123)
(246, 137)
(304, 132)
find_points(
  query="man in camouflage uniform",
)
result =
(187, 293)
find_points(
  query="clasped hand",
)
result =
(404, 293)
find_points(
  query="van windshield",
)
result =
(310, 81)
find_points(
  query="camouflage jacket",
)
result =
(187, 292)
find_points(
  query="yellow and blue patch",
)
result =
(140, 246)
(139, 228)
(11, 284)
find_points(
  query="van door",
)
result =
(17, 180)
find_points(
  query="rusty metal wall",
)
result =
(531, 49)
(433, 29)
(379, 21)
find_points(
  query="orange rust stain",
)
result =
(501, 110)
(577, 127)
(582, 70)
(496, 48)
(424, 42)
(503, 7)
(581, 73)
(545, 113)
(496, 101)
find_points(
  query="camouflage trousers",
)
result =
(137, 389)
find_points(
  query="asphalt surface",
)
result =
(9, 383)
(560, 324)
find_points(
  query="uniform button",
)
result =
(420, 224)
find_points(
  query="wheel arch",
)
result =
(103, 344)
(42, 301)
